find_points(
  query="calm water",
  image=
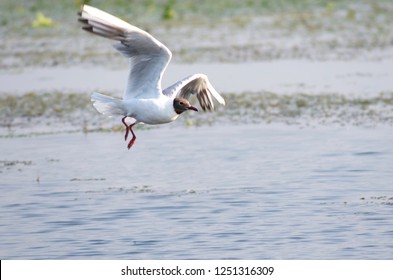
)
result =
(254, 191)
(358, 77)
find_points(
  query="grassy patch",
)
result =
(204, 31)
(60, 112)
(42, 21)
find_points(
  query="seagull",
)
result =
(143, 100)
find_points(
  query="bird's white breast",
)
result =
(151, 110)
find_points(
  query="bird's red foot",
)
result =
(133, 136)
(128, 130)
(131, 142)
(126, 135)
(123, 120)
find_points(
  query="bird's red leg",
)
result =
(123, 120)
(133, 136)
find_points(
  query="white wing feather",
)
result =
(148, 61)
(200, 86)
(148, 56)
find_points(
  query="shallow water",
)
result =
(253, 191)
(356, 77)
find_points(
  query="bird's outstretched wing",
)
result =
(148, 56)
(198, 85)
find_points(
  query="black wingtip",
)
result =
(88, 28)
(83, 20)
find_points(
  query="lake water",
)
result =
(233, 191)
(359, 77)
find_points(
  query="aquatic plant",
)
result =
(79, 3)
(43, 21)
(169, 11)
(75, 113)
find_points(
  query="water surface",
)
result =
(253, 191)
(355, 77)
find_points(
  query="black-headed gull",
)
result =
(143, 99)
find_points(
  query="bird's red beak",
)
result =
(192, 108)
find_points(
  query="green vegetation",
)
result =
(42, 21)
(311, 109)
(42, 109)
(164, 10)
(60, 112)
(36, 105)
(207, 31)
(169, 11)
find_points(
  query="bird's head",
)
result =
(181, 105)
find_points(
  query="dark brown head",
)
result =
(181, 105)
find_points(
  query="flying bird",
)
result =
(144, 100)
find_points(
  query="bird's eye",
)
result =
(181, 103)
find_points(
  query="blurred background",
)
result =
(316, 51)
(298, 165)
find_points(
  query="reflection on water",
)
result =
(212, 192)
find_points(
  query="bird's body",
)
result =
(145, 110)
(143, 99)
(152, 111)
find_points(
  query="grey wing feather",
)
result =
(198, 85)
(148, 56)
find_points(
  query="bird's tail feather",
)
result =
(107, 105)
